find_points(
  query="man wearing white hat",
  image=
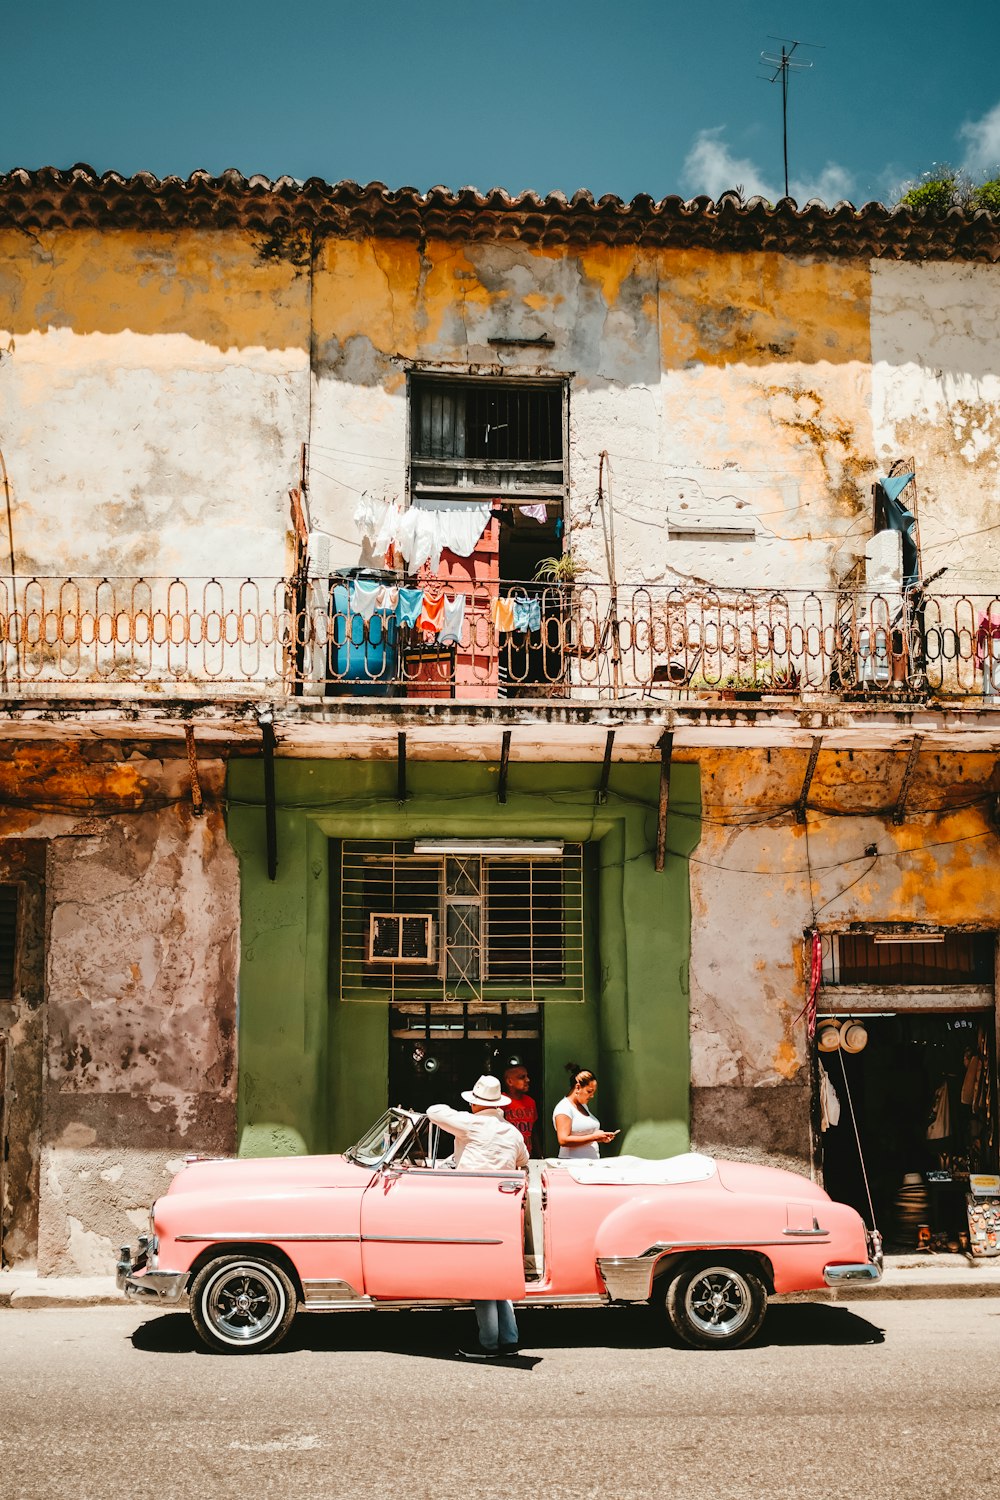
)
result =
(484, 1142)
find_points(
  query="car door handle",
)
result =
(511, 1187)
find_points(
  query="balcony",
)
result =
(220, 638)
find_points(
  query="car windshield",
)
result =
(377, 1143)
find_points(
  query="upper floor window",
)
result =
(486, 437)
(899, 958)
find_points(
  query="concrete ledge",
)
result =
(24, 1289)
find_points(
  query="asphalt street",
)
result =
(888, 1399)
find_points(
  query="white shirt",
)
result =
(484, 1142)
(581, 1122)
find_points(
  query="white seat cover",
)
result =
(692, 1167)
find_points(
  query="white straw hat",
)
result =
(828, 1039)
(488, 1092)
(854, 1037)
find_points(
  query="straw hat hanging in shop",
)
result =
(828, 1036)
(853, 1037)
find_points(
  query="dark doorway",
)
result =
(434, 1056)
(531, 662)
(925, 1107)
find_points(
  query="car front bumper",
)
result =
(138, 1275)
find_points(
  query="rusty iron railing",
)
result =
(223, 637)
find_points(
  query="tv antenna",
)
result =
(783, 67)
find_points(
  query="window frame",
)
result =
(494, 376)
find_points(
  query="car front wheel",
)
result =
(716, 1306)
(241, 1305)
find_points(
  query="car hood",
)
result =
(270, 1174)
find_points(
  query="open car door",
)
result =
(436, 1233)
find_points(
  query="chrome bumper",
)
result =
(137, 1274)
(867, 1271)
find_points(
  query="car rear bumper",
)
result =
(861, 1271)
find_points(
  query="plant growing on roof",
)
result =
(943, 187)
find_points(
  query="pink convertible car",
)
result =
(388, 1225)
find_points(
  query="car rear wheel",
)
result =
(716, 1306)
(241, 1305)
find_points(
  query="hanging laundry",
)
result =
(829, 1103)
(970, 1082)
(988, 653)
(368, 514)
(940, 1122)
(364, 597)
(536, 512)
(429, 526)
(454, 619)
(432, 615)
(502, 611)
(388, 599)
(410, 604)
(527, 614)
(385, 533)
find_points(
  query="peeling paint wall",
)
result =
(22, 1026)
(763, 886)
(153, 402)
(139, 1060)
(158, 387)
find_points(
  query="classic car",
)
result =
(390, 1224)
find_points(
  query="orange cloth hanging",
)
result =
(431, 617)
(503, 614)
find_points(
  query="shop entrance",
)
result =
(924, 1100)
(436, 1051)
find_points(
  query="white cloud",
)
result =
(711, 167)
(833, 183)
(982, 142)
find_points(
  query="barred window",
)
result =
(461, 926)
(486, 436)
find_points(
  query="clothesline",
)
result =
(435, 612)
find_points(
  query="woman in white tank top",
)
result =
(577, 1127)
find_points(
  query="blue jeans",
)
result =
(497, 1325)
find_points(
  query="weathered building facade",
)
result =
(618, 810)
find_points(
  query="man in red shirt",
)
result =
(522, 1111)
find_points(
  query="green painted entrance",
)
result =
(313, 1068)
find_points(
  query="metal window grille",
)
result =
(486, 436)
(8, 940)
(963, 958)
(468, 929)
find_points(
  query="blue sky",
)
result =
(625, 96)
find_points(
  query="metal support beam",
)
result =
(401, 768)
(800, 806)
(504, 763)
(270, 815)
(602, 790)
(666, 746)
(197, 801)
(899, 811)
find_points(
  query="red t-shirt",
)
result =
(522, 1113)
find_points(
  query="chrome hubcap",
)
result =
(718, 1302)
(243, 1303)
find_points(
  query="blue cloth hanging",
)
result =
(898, 518)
